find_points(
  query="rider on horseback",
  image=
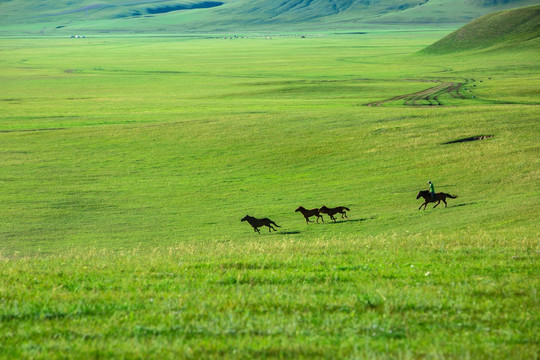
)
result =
(431, 190)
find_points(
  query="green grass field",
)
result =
(126, 164)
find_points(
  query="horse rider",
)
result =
(431, 190)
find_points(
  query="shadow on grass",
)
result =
(465, 204)
(289, 232)
(450, 206)
(349, 220)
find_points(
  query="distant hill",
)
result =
(499, 28)
(192, 16)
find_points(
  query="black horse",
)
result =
(332, 211)
(438, 197)
(309, 213)
(257, 223)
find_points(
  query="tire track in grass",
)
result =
(430, 95)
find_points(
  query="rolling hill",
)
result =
(499, 28)
(192, 16)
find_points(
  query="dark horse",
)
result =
(257, 223)
(332, 211)
(437, 198)
(309, 213)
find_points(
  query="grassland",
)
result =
(128, 162)
(503, 28)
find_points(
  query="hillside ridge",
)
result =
(239, 15)
(499, 28)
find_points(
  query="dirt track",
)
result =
(428, 96)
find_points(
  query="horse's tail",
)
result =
(451, 196)
(273, 223)
(346, 208)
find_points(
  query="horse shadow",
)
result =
(350, 220)
(464, 204)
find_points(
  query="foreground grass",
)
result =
(469, 295)
(127, 164)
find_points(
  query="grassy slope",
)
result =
(501, 28)
(444, 12)
(120, 225)
(61, 17)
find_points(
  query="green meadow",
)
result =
(126, 164)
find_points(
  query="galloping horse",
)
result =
(332, 211)
(437, 198)
(309, 213)
(257, 223)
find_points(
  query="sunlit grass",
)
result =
(127, 164)
(387, 292)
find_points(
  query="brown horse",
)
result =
(332, 211)
(309, 213)
(257, 223)
(437, 198)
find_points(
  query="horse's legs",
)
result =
(333, 218)
(437, 204)
(424, 205)
(307, 220)
(256, 229)
(445, 204)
